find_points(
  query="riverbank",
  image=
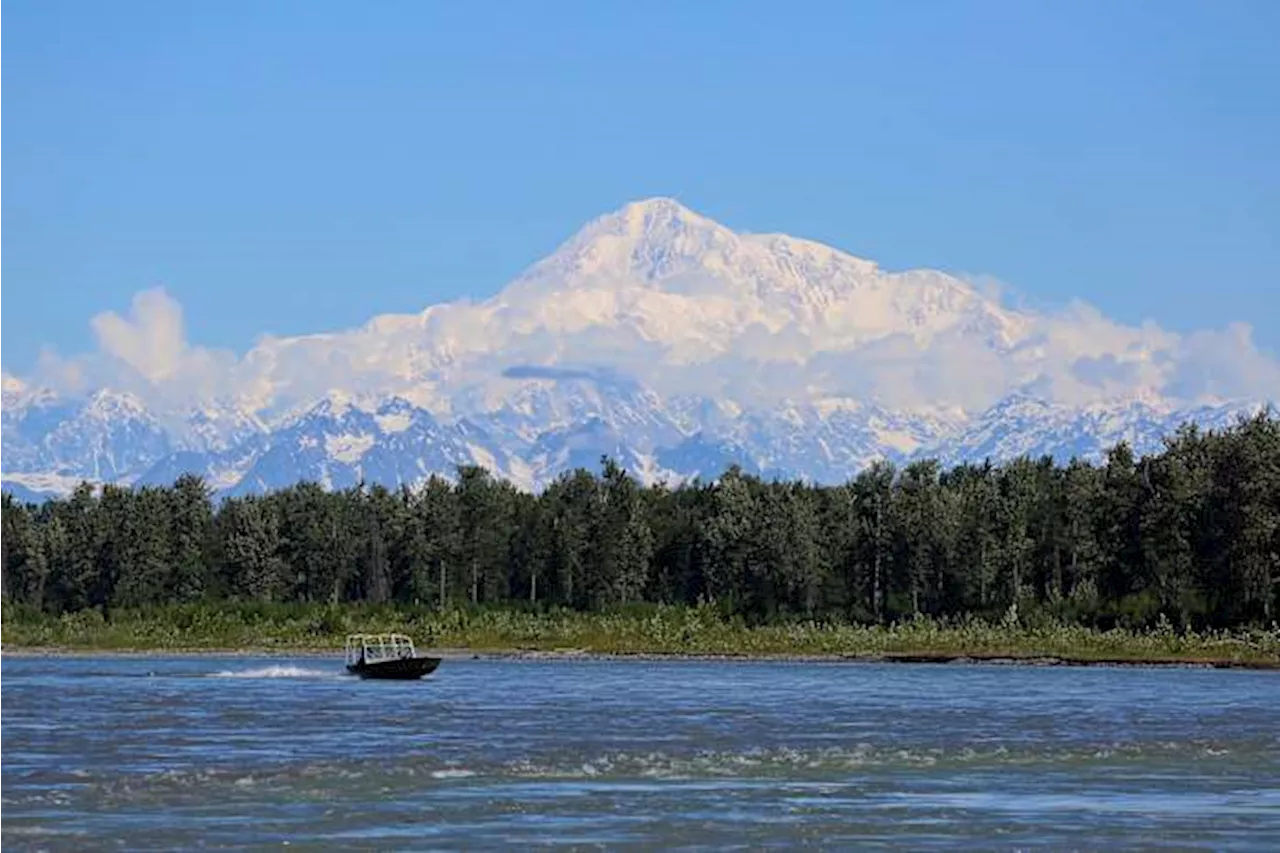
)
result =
(577, 654)
(652, 633)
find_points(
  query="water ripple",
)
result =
(168, 752)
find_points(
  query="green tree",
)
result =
(12, 528)
(730, 531)
(190, 523)
(250, 538)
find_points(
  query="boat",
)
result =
(390, 656)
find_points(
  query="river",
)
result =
(181, 752)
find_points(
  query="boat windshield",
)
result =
(371, 648)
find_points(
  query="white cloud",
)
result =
(145, 353)
(1223, 363)
(1078, 354)
(150, 339)
(63, 375)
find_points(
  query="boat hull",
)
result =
(397, 669)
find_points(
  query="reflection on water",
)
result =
(181, 752)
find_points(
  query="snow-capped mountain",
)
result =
(106, 437)
(1021, 425)
(655, 336)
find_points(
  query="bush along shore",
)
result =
(645, 631)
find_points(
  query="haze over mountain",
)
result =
(655, 335)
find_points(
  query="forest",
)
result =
(1189, 536)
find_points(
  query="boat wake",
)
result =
(277, 671)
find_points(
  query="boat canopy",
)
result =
(371, 648)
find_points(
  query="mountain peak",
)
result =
(646, 215)
(644, 237)
(666, 276)
(651, 222)
(108, 404)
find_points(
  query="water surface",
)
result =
(183, 752)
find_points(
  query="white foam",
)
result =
(452, 773)
(276, 671)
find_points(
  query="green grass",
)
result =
(647, 630)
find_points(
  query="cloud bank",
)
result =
(1077, 355)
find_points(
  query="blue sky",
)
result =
(290, 167)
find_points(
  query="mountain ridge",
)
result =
(658, 336)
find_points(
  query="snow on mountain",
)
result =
(24, 493)
(340, 446)
(705, 457)
(222, 470)
(690, 284)
(582, 445)
(108, 437)
(804, 441)
(216, 427)
(658, 337)
(685, 305)
(1022, 425)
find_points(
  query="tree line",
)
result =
(1190, 534)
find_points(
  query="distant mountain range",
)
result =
(657, 337)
